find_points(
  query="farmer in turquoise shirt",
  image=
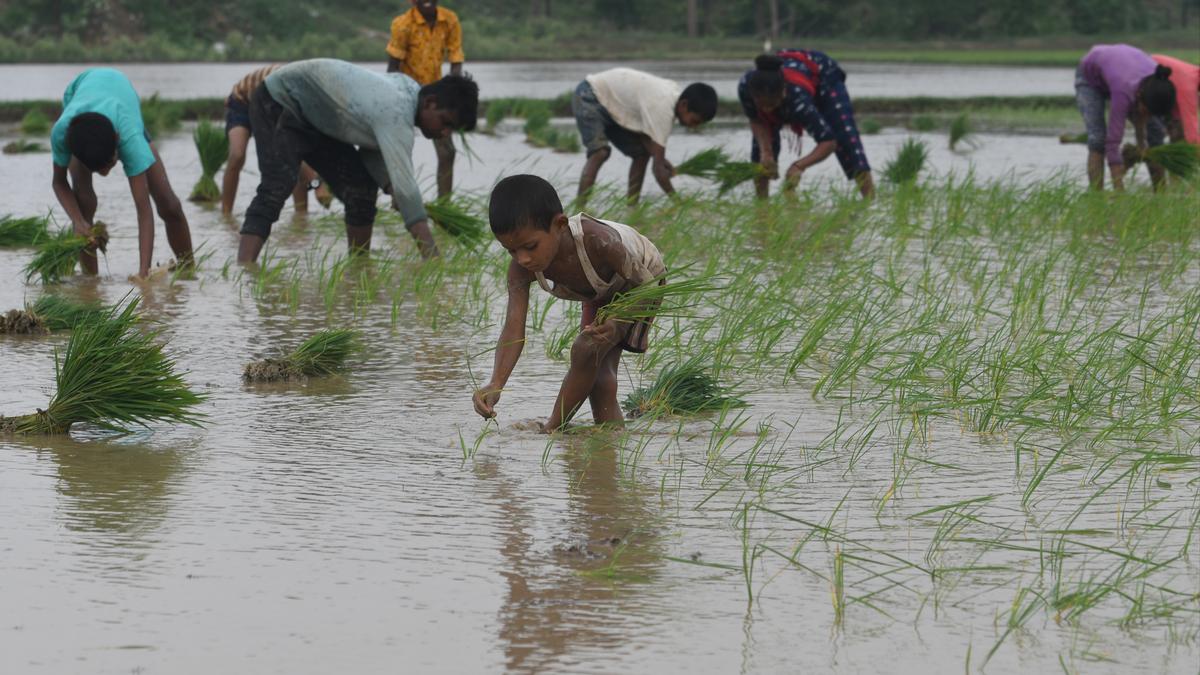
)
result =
(101, 124)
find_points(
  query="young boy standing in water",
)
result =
(635, 111)
(101, 124)
(590, 261)
(422, 38)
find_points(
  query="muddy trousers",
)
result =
(282, 142)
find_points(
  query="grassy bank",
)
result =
(992, 112)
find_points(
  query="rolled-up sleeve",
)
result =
(397, 47)
(454, 48)
(396, 154)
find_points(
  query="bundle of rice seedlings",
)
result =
(324, 353)
(908, 163)
(114, 375)
(961, 130)
(161, 116)
(656, 298)
(213, 146)
(1072, 138)
(57, 254)
(50, 313)
(683, 389)
(22, 146)
(457, 221)
(870, 126)
(732, 174)
(35, 123)
(703, 164)
(1179, 159)
(28, 231)
(923, 123)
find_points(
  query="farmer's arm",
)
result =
(511, 341)
(140, 188)
(762, 136)
(1118, 113)
(397, 48)
(662, 169)
(406, 195)
(66, 199)
(815, 123)
(454, 48)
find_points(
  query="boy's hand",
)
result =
(604, 334)
(485, 400)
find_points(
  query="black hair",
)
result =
(1157, 92)
(767, 77)
(523, 200)
(92, 139)
(460, 95)
(701, 99)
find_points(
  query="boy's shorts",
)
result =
(597, 127)
(237, 114)
(637, 335)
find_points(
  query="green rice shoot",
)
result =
(703, 164)
(27, 231)
(732, 174)
(1179, 159)
(61, 313)
(961, 131)
(870, 126)
(23, 146)
(457, 221)
(686, 388)
(908, 163)
(656, 298)
(115, 375)
(213, 146)
(35, 123)
(324, 353)
(57, 254)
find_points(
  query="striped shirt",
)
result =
(246, 86)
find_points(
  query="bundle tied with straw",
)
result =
(57, 254)
(908, 163)
(703, 164)
(324, 353)
(50, 313)
(686, 388)
(27, 231)
(457, 221)
(213, 146)
(114, 375)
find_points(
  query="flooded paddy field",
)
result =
(970, 446)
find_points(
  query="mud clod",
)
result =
(22, 322)
(272, 370)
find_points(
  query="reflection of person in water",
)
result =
(552, 610)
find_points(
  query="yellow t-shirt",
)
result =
(421, 49)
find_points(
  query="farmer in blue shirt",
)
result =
(354, 127)
(101, 123)
(805, 90)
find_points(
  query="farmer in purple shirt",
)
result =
(1137, 88)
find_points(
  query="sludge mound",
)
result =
(272, 370)
(22, 322)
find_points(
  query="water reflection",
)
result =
(553, 604)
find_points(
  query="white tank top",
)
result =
(642, 263)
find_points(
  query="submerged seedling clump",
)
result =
(213, 146)
(688, 388)
(324, 353)
(27, 231)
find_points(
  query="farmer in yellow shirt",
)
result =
(422, 38)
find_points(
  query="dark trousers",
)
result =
(282, 142)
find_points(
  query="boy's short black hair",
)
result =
(460, 95)
(92, 139)
(1157, 92)
(523, 201)
(701, 99)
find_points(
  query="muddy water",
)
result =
(549, 79)
(334, 526)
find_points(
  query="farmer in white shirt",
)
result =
(635, 112)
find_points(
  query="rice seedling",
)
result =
(35, 123)
(924, 123)
(113, 374)
(732, 174)
(687, 388)
(57, 254)
(213, 146)
(50, 313)
(655, 299)
(908, 163)
(1066, 139)
(458, 222)
(324, 353)
(1180, 159)
(703, 164)
(961, 130)
(870, 126)
(23, 147)
(15, 231)
(161, 117)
